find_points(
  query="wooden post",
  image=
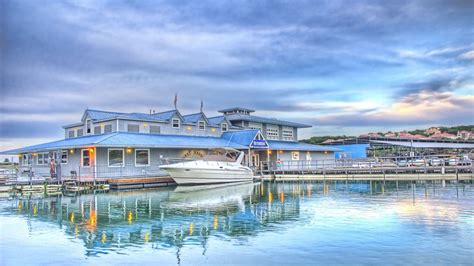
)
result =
(248, 158)
(93, 174)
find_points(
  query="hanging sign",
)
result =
(259, 143)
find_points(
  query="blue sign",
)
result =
(259, 143)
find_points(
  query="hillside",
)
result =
(451, 130)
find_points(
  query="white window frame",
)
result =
(133, 125)
(67, 157)
(288, 133)
(149, 157)
(25, 156)
(172, 122)
(108, 157)
(202, 123)
(73, 131)
(100, 130)
(154, 126)
(273, 132)
(42, 158)
(253, 125)
(77, 132)
(226, 127)
(295, 158)
(82, 158)
(111, 128)
(38, 159)
(89, 126)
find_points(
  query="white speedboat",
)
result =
(222, 165)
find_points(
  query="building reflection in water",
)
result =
(170, 218)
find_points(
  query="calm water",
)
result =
(259, 224)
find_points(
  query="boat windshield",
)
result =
(222, 155)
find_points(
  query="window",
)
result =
(133, 128)
(107, 128)
(42, 158)
(295, 155)
(86, 158)
(287, 133)
(142, 157)
(202, 125)
(175, 123)
(80, 132)
(224, 127)
(71, 133)
(155, 130)
(272, 132)
(255, 126)
(88, 126)
(116, 158)
(26, 159)
(64, 157)
(97, 130)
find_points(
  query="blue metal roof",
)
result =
(101, 115)
(194, 118)
(63, 144)
(123, 139)
(216, 120)
(297, 146)
(163, 116)
(242, 137)
(140, 116)
(235, 139)
(258, 119)
(167, 115)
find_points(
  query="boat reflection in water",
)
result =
(248, 216)
(211, 197)
(168, 217)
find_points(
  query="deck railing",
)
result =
(324, 166)
(367, 165)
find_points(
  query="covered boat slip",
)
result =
(124, 155)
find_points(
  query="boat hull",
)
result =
(184, 176)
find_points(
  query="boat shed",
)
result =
(427, 144)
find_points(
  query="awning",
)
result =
(426, 144)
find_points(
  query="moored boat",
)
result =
(223, 165)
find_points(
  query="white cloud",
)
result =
(468, 55)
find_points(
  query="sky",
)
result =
(345, 67)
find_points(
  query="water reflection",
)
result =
(171, 218)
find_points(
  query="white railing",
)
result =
(426, 164)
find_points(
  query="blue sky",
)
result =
(346, 67)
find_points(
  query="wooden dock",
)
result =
(371, 177)
(140, 182)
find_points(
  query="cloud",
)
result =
(292, 60)
(420, 108)
(437, 84)
(468, 55)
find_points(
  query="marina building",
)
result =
(116, 144)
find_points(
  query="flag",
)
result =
(202, 105)
(175, 100)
